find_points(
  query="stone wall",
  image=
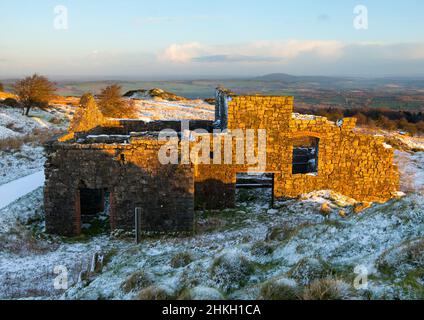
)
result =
(87, 117)
(131, 174)
(357, 165)
(126, 127)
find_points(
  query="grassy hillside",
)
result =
(309, 91)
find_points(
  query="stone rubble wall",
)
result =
(86, 118)
(133, 176)
(356, 165)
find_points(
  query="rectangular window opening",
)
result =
(305, 155)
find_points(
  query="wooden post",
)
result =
(272, 191)
(77, 217)
(137, 225)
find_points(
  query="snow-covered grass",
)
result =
(411, 166)
(291, 251)
(13, 123)
(156, 109)
(21, 139)
(23, 162)
(28, 256)
(236, 260)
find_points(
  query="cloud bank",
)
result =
(324, 57)
(301, 57)
(266, 51)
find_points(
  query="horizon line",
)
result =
(96, 78)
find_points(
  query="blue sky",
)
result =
(169, 38)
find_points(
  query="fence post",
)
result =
(137, 225)
(273, 191)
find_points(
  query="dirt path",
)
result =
(16, 189)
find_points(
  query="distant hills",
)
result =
(395, 93)
(329, 82)
(291, 78)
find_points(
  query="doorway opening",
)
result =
(95, 211)
(258, 188)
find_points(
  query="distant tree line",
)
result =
(411, 122)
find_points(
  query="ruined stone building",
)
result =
(118, 160)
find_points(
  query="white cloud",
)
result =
(182, 53)
(265, 51)
(324, 57)
(293, 48)
(396, 51)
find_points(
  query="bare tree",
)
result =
(113, 105)
(1, 87)
(34, 91)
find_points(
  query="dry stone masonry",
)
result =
(118, 160)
